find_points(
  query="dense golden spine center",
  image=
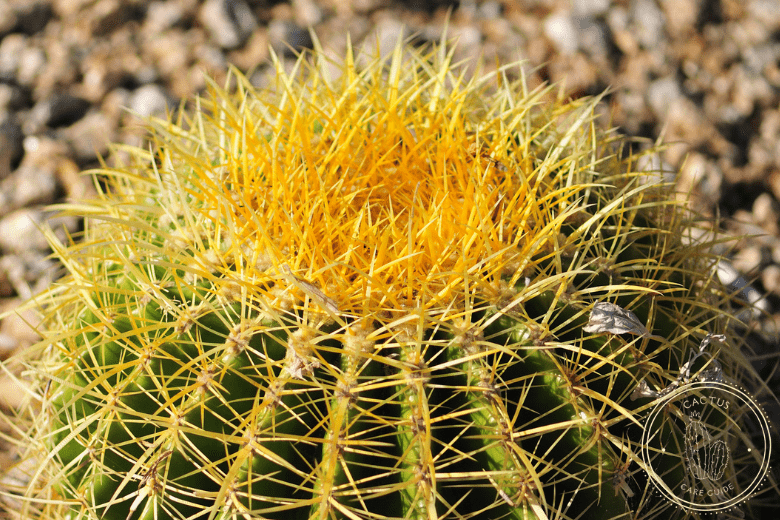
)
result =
(380, 201)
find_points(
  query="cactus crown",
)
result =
(382, 188)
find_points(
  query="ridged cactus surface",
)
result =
(360, 293)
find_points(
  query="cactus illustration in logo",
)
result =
(707, 459)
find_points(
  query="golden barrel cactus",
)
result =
(363, 293)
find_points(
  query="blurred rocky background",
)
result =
(76, 75)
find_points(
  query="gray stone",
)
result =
(58, 110)
(649, 23)
(766, 12)
(35, 180)
(386, 33)
(30, 185)
(759, 57)
(766, 212)
(288, 38)
(32, 63)
(489, 10)
(661, 94)
(750, 89)
(230, 23)
(770, 278)
(562, 32)
(19, 231)
(617, 19)
(8, 344)
(161, 16)
(24, 17)
(20, 324)
(12, 97)
(90, 136)
(590, 8)
(11, 48)
(6, 285)
(21, 234)
(307, 13)
(32, 17)
(748, 260)
(149, 100)
(11, 146)
(7, 18)
(593, 36)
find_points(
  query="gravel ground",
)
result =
(705, 74)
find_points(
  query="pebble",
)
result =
(21, 234)
(761, 57)
(115, 105)
(307, 13)
(770, 278)
(253, 54)
(766, 212)
(748, 260)
(12, 97)
(7, 20)
(6, 285)
(649, 22)
(702, 176)
(661, 95)
(288, 38)
(561, 30)
(69, 8)
(593, 37)
(12, 275)
(29, 185)
(20, 324)
(749, 90)
(11, 146)
(161, 16)
(8, 344)
(19, 231)
(58, 110)
(32, 17)
(107, 16)
(149, 100)
(34, 181)
(170, 52)
(90, 137)
(229, 22)
(31, 65)
(489, 10)
(75, 185)
(766, 12)
(11, 48)
(681, 16)
(386, 33)
(590, 8)
(686, 124)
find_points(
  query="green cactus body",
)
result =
(364, 298)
